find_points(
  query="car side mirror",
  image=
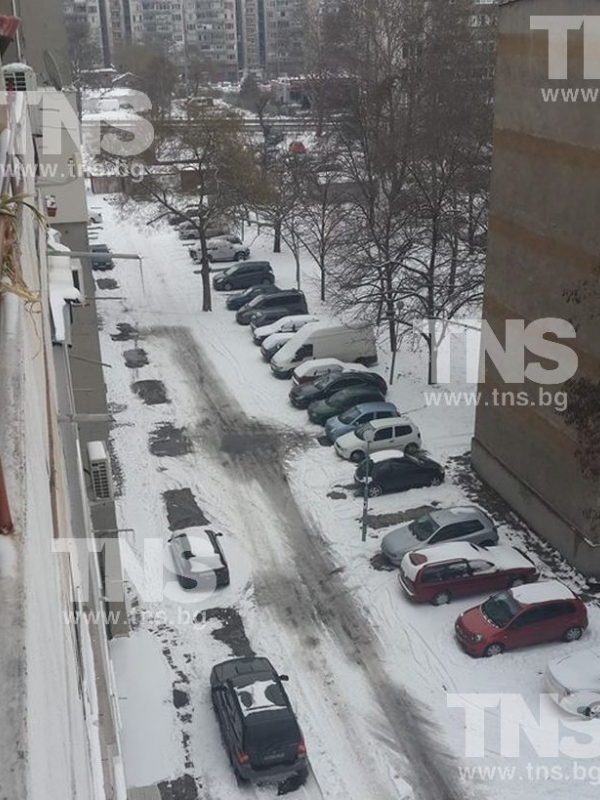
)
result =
(284, 677)
(218, 534)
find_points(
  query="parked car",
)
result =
(101, 259)
(340, 341)
(187, 231)
(538, 612)
(237, 301)
(311, 371)
(178, 219)
(199, 559)
(305, 394)
(240, 276)
(438, 574)
(258, 725)
(464, 524)
(290, 324)
(335, 404)
(262, 318)
(574, 682)
(292, 300)
(395, 471)
(395, 433)
(196, 252)
(273, 343)
(356, 416)
(222, 250)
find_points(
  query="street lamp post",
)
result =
(368, 438)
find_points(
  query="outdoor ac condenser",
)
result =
(22, 78)
(99, 463)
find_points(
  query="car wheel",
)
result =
(357, 456)
(515, 582)
(411, 449)
(237, 257)
(302, 776)
(209, 258)
(375, 490)
(227, 286)
(573, 634)
(493, 650)
(441, 599)
(592, 711)
(436, 481)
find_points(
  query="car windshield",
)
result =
(423, 527)
(255, 301)
(348, 416)
(360, 431)
(500, 609)
(230, 271)
(324, 382)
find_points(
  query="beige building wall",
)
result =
(544, 242)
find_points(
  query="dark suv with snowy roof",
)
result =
(258, 724)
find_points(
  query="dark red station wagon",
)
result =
(457, 569)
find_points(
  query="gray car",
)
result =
(464, 524)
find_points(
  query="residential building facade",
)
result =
(542, 263)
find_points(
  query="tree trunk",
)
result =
(323, 283)
(277, 237)
(205, 272)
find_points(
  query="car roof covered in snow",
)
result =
(261, 695)
(377, 424)
(448, 516)
(542, 592)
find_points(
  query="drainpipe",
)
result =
(6, 525)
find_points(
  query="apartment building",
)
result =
(543, 252)
(59, 724)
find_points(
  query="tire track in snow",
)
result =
(257, 452)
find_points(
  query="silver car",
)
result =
(464, 524)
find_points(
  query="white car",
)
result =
(310, 371)
(394, 433)
(284, 325)
(232, 238)
(222, 250)
(574, 680)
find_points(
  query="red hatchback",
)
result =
(532, 614)
(437, 574)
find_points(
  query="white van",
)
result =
(332, 341)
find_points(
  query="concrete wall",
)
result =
(544, 242)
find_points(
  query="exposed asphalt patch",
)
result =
(324, 441)
(232, 631)
(184, 788)
(107, 283)
(152, 393)
(381, 564)
(182, 509)
(334, 495)
(134, 359)
(126, 333)
(166, 440)
(377, 521)
(180, 698)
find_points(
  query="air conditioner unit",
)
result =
(22, 78)
(100, 471)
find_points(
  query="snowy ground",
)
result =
(370, 673)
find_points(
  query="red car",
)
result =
(531, 614)
(437, 574)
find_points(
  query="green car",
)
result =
(341, 401)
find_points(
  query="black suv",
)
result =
(289, 300)
(258, 724)
(303, 395)
(399, 473)
(101, 258)
(236, 301)
(250, 273)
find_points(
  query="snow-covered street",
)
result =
(195, 408)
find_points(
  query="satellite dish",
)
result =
(53, 71)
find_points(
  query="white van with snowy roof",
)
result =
(320, 340)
